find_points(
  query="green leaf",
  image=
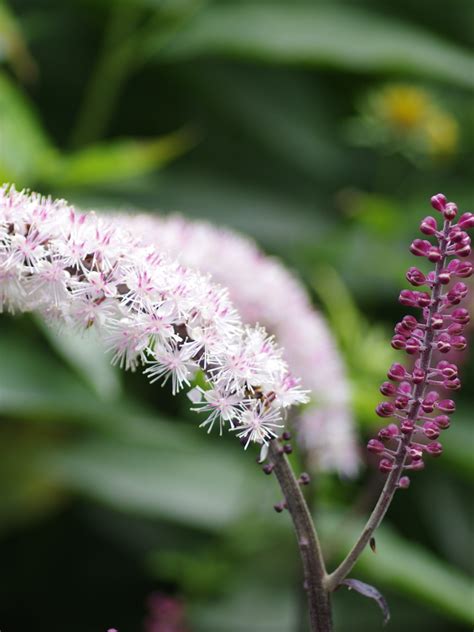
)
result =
(194, 484)
(13, 46)
(84, 352)
(341, 37)
(118, 160)
(25, 150)
(405, 566)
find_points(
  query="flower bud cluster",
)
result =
(419, 410)
(83, 271)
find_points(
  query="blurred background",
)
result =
(320, 129)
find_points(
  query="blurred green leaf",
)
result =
(28, 491)
(25, 150)
(85, 354)
(198, 485)
(13, 47)
(340, 37)
(118, 160)
(366, 347)
(405, 566)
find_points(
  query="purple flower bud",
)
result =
(408, 298)
(418, 375)
(434, 254)
(462, 250)
(385, 409)
(437, 321)
(397, 372)
(385, 466)
(388, 432)
(410, 322)
(444, 277)
(435, 448)
(461, 315)
(464, 269)
(431, 429)
(417, 465)
(388, 389)
(404, 389)
(446, 406)
(404, 482)
(375, 446)
(455, 329)
(415, 453)
(458, 342)
(413, 345)
(442, 421)
(466, 221)
(420, 247)
(398, 342)
(402, 402)
(450, 211)
(407, 426)
(447, 369)
(429, 226)
(429, 401)
(415, 277)
(452, 385)
(443, 343)
(439, 202)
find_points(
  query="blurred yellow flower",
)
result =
(407, 118)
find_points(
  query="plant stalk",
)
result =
(308, 543)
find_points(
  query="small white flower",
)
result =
(258, 424)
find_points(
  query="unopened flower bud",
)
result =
(460, 315)
(388, 389)
(385, 409)
(385, 466)
(439, 202)
(404, 482)
(442, 421)
(434, 449)
(431, 429)
(420, 247)
(375, 446)
(466, 221)
(407, 426)
(450, 211)
(429, 226)
(415, 277)
(446, 406)
(397, 372)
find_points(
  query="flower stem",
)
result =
(308, 543)
(391, 484)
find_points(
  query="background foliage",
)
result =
(320, 128)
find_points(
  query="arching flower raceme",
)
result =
(419, 396)
(265, 292)
(82, 270)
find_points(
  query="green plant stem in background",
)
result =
(308, 542)
(110, 73)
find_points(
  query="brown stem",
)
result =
(391, 484)
(308, 542)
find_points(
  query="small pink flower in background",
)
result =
(166, 614)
